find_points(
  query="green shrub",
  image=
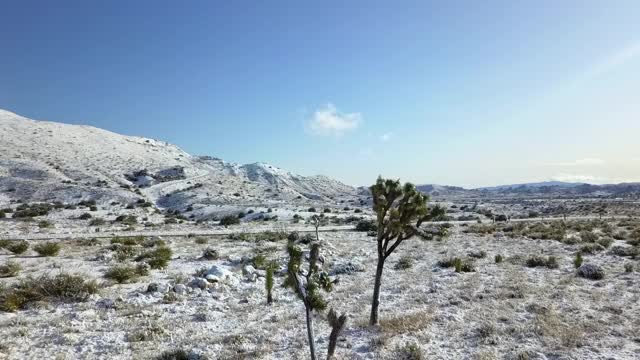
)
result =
(174, 355)
(85, 216)
(498, 259)
(18, 247)
(366, 225)
(9, 269)
(605, 242)
(410, 351)
(62, 287)
(628, 267)
(591, 248)
(259, 261)
(47, 249)
(127, 219)
(97, 222)
(578, 260)
(538, 261)
(44, 224)
(125, 273)
(588, 236)
(158, 258)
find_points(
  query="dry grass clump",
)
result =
(47, 249)
(405, 262)
(62, 287)
(460, 265)
(550, 262)
(554, 329)
(406, 323)
(128, 241)
(10, 269)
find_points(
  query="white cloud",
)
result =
(329, 121)
(386, 137)
(579, 162)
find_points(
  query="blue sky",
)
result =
(462, 92)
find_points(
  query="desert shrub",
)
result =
(2, 214)
(201, 241)
(634, 237)
(410, 351)
(157, 242)
(578, 260)
(366, 225)
(259, 261)
(32, 210)
(18, 247)
(47, 248)
(85, 216)
(457, 263)
(405, 262)
(127, 219)
(591, 248)
(124, 252)
(229, 220)
(605, 242)
(498, 259)
(88, 242)
(625, 251)
(620, 235)
(93, 208)
(326, 210)
(97, 222)
(158, 258)
(628, 267)
(588, 236)
(539, 261)
(125, 273)
(44, 224)
(9, 269)
(62, 287)
(311, 209)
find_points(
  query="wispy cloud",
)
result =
(329, 121)
(614, 60)
(386, 137)
(579, 162)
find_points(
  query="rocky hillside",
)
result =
(49, 161)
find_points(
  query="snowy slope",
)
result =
(47, 161)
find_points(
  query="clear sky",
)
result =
(467, 93)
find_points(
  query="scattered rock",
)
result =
(248, 270)
(180, 289)
(210, 254)
(346, 268)
(221, 274)
(590, 271)
(199, 283)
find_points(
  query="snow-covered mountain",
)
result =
(49, 161)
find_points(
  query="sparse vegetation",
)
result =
(47, 249)
(9, 269)
(538, 261)
(404, 263)
(126, 273)
(158, 258)
(62, 287)
(18, 247)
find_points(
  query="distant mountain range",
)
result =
(538, 188)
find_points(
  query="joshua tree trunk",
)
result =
(317, 236)
(373, 320)
(312, 345)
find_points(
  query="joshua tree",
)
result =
(400, 210)
(317, 221)
(307, 286)
(337, 323)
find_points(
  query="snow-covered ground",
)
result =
(501, 311)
